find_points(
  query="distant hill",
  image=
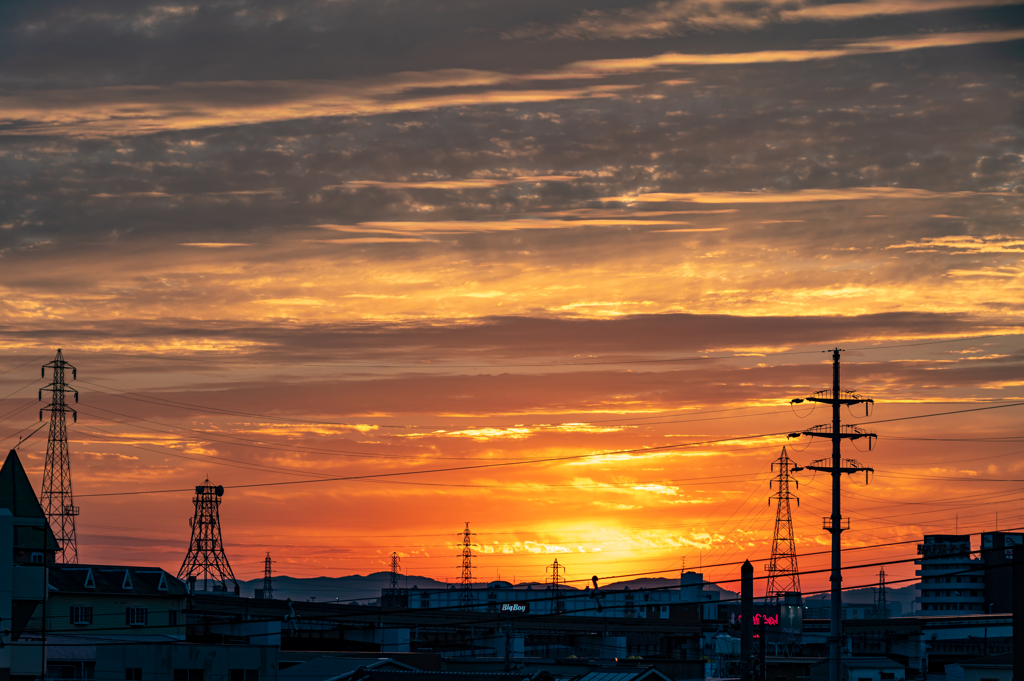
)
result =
(341, 589)
(904, 595)
(362, 588)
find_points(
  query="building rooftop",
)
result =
(114, 579)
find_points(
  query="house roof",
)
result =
(867, 663)
(17, 496)
(335, 667)
(390, 675)
(628, 674)
(114, 579)
(1001, 660)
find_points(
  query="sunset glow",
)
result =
(553, 271)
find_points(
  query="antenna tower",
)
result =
(881, 602)
(556, 583)
(206, 559)
(396, 569)
(56, 498)
(466, 597)
(836, 466)
(783, 574)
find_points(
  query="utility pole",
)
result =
(206, 557)
(746, 621)
(466, 597)
(835, 524)
(783, 574)
(56, 498)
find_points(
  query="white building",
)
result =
(688, 601)
(951, 580)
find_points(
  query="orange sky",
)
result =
(540, 237)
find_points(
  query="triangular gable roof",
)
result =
(16, 493)
(126, 583)
(90, 581)
(17, 496)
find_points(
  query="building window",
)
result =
(36, 558)
(172, 618)
(243, 675)
(81, 614)
(133, 674)
(188, 675)
(136, 617)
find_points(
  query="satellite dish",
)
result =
(219, 490)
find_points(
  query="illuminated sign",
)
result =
(515, 608)
(758, 619)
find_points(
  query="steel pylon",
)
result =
(56, 498)
(466, 582)
(206, 559)
(783, 573)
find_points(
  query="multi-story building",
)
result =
(952, 582)
(997, 554)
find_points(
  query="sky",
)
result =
(554, 269)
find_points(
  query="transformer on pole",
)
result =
(206, 559)
(56, 498)
(837, 466)
(783, 574)
(466, 582)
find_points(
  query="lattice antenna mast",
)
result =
(836, 466)
(268, 577)
(56, 498)
(556, 584)
(881, 600)
(466, 597)
(783, 574)
(396, 569)
(206, 559)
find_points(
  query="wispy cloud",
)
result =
(127, 110)
(802, 195)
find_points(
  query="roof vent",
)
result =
(127, 583)
(90, 582)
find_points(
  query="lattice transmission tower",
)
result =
(56, 498)
(268, 578)
(206, 560)
(556, 584)
(396, 569)
(881, 600)
(835, 524)
(783, 574)
(466, 582)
